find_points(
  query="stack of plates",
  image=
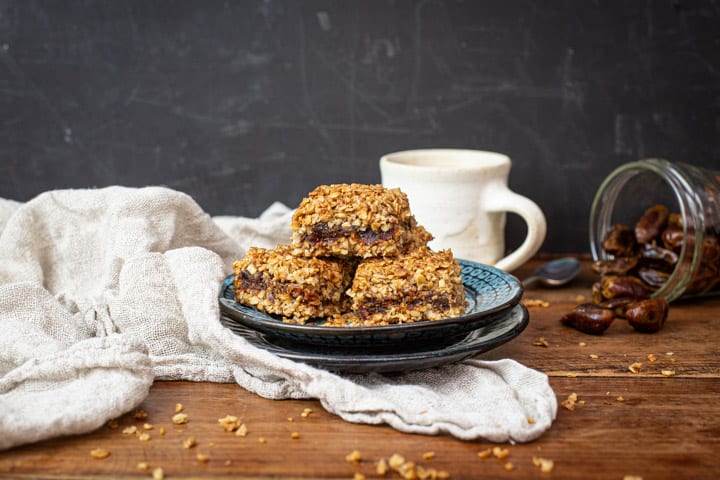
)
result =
(494, 315)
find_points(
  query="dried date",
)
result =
(652, 277)
(647, 316)
(612, 286)
(652, 222)
(589, 318)
(672, 238)
(619, 241)
(616, 266)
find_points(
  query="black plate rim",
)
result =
(405, 361)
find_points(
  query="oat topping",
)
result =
(422, 285)
(298, 288)
(355, 220)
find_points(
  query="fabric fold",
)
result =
(104, 291)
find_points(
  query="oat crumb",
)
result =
(509, 466)
(428, 455)
(162, 430)
(262, 440)
(530, 420)
(158, 474)
(242, 430)
(141, 414)
(620, 398)
(541, 342)
(632, 477)
(295, 435)
(651, 357)
(667, 372)
(582, 344)
(407, 470)
(354, 456)
(180, 418)
(99, 453)
(396, 461)
(144, 466)
(535, 302)
(306, 412)
(569, 403)
(129, 430)
(147, 426)
(227, 463)
(202, 458)
(500, 453)
(178, 407)
(189, 442)
(229, 423)
(546, 465)
(635, 367)
(358, 476)
(381, 467)
(571, 375)
(593, 356)
(144, 437)
(485, 453)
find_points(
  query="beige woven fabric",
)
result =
(103, 291)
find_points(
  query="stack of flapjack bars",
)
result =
(357, 257)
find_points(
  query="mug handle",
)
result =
(505, 200)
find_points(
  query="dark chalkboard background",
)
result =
(241, 103)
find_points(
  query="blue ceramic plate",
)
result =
(490, 293)
(398, 359)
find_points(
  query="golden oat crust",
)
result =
(355, 220)
(298, 288)
(421, 285)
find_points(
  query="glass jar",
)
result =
(691, 235)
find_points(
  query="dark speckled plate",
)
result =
(401, 358)
(490, 293)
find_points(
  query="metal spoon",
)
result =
(554, 273)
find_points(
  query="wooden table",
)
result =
(623, 424)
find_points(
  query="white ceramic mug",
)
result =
(461, 197)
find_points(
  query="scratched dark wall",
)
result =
(242, 103)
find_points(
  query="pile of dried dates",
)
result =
(642, 260)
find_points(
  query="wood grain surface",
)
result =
(624, 425)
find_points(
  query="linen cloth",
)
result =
(103, 291)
